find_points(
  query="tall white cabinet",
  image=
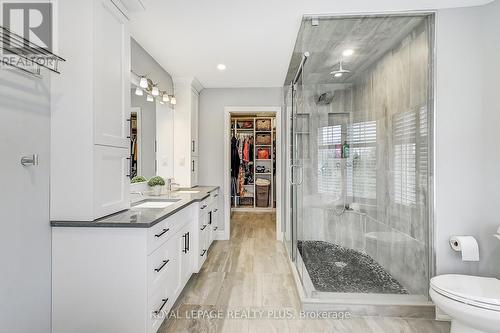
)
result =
(90, 111)
(186, 131)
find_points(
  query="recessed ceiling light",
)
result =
(221, 67)
(348, 53)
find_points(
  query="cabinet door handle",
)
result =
(184, 250)
(164, 301)
(215, 229)
(192, 146)
(215, 210)
(203, 253)
(192, 166)
(162, 233)
(188, 241)
(162, 265)
(216, 195)
(204, 226)
(204, 206)
(210, 218)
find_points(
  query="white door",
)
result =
(112, 76)
(164, 140)
(185, 255)
(25, 277)
(194, 171)
(111, 180)
(194, 123)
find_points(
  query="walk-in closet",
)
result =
(253, 162)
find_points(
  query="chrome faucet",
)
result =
(170, 182)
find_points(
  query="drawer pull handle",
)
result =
(161, 267)
(215, 229)
(204, 206)
(204, 226)
(162, 233)
(215, 210)
(164, 301)
(203, 253)
(216, 195)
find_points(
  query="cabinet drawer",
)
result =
(159, 303)
(162, 231)
(162, 265)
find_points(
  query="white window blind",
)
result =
(329, 174)
(362, 172)
(405, 158)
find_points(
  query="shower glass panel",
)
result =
(360, 155)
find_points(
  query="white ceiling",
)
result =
(253, 38)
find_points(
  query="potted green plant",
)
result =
(156, 183)
(138, 179)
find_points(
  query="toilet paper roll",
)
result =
(467, 245)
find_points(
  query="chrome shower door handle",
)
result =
(301, 179)
(29, 160)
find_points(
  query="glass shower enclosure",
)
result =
(359, 114)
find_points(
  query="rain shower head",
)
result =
(341, 71)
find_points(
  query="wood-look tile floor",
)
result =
(249, 274)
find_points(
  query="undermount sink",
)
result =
(156, 203)
(187, 191)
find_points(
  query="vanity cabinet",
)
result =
(186, 117)
(90, 111)
(121, 279)
(207, 228)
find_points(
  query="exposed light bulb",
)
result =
(173, 100)
(138, 91)
(143, 82)
(348, 53)
(155, 91)
(165, 98)
(149, 98)
(337, 74)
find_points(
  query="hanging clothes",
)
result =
(246, 150)
(235, 158)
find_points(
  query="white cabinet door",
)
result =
(194, 123)
(194, 171)
(111, 181)
(185, 255)
(111, 76)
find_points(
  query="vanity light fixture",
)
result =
(155, 91)
(348, 52)
(143, 82)
(173, 100)
(138, 91)
(149, 98)
(165, 97)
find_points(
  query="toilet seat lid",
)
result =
(480, 291)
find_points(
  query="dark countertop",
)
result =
(144, 217)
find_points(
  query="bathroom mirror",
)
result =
(151, 138)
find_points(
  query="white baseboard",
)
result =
(222, 235)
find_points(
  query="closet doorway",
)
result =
(253, 165)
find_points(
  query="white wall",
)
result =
(25, 238)
(211, 126)
(489, 160)
(467, 156)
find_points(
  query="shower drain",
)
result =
(340, 264)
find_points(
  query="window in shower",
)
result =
(329, 171)
(362, 171)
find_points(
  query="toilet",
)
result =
(472, 302)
